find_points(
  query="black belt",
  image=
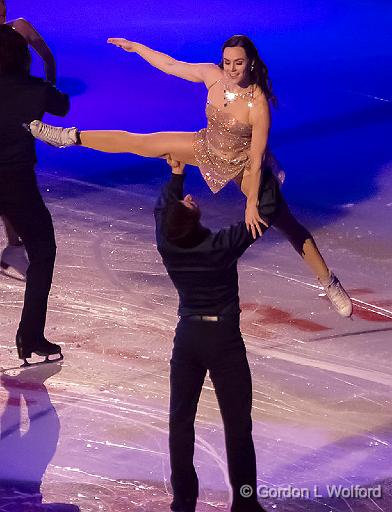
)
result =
(203, 318)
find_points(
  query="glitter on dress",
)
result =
(222, 149)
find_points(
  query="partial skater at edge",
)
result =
(14, 254)
(23, 98)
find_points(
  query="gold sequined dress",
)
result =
(222, 149)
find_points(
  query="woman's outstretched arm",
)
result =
(193, 72)
(36, 41)
(260, 120)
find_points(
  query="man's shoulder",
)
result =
(239, 226)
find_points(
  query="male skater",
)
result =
(22, 98)
(14, 254)
(203, 268)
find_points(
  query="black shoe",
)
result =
(42, 348)
(180, 506)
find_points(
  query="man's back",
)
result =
(205, 274)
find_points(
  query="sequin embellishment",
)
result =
(222, 149)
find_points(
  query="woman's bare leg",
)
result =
(299, 237)
(314, 260)
(303, 243)
(178, 144)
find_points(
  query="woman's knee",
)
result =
(297, 235)
(290, 228)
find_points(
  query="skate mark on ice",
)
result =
(365, 374)
(273, 316)
(387, 313)
(349, 334)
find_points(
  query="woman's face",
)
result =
(3, 12)
(236, 65)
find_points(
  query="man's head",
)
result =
(182, 220)
(14, 52)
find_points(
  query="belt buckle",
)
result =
(209, 318)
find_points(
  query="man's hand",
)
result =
(253, 220)
(177, 167)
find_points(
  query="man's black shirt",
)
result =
(23, 99)
(204, 275)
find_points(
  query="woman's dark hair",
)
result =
(259, 73)
(15, 57)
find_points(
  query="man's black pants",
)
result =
(218, 347)
(21, 202)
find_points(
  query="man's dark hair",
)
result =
(180, 222)
(15, 57)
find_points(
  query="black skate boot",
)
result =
(42, 348)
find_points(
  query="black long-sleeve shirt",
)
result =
(205, 275)
(23, 99)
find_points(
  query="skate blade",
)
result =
(47, 360)
(9, 271)
(32, 373)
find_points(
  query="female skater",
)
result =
(14, 255)
(232, 147)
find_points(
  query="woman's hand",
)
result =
(128, 46)
(253, 220)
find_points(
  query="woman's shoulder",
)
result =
(260, 101)
(19, 22)
(260, 107)
(24, 27)
(213, 75)
(258, 94)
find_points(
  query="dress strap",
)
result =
(212, 85)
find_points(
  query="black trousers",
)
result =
(22, 204)
(275, 211)
(218, 347)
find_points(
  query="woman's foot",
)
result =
(54, 135)
(337, 295)
(15, 256)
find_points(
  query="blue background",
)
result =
(330, 63)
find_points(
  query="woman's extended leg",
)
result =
(301, 239)
(298, 235)
(177, 144)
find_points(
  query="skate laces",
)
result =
(337, 288)
(50, 132)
